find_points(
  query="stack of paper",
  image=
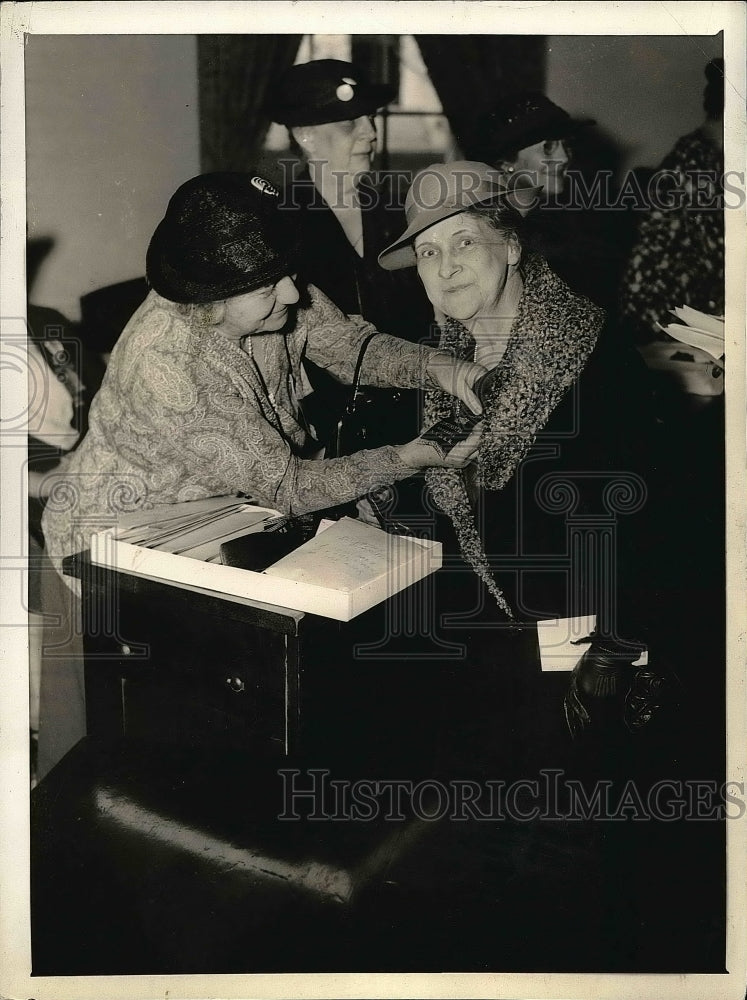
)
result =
(339, 573)
(697, 329)
(195, 529)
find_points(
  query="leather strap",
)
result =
(350, 408)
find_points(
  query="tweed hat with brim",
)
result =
(223, 235)
(325, 90)
(520, 121)
(446, 189)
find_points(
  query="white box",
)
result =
(425, 557)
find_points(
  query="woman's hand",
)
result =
(455, 377)
(420, 454)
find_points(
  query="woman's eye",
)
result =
(467, 242)
(425, 252)
(549, 147)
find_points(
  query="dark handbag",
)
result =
(373, 417)
(351, 433)
(360, 427)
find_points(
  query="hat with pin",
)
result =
(222, 235)
(325, 90)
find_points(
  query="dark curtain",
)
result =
(235, 74)
(472, 72)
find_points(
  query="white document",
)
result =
(556, 641)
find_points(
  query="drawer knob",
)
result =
(125, 650)
(235, 684)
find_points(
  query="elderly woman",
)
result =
(203, 392)
(347, 214)
(557, 506)
(550, 408)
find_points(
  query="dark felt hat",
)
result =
(223, 235)
(519, 121)
(325, 90)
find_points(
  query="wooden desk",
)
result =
(179, 664)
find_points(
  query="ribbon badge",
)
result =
(264, 186)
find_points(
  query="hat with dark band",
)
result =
(223, 235)
(325, 90)
(519, 121)
(446, 189)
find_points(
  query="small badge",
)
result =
(345, 91)
(264, 186)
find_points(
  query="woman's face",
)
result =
(347, 146)
(261, 311)
(465, 264)
(544, 163)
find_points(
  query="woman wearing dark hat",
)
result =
(551, 408)
(345, 219)
(201, 396)
(528, 138)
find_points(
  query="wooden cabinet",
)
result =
(172, 664)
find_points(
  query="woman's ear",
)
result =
(302, 138)
(514, 250)
(506, 166)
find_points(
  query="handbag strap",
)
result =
(357, 373)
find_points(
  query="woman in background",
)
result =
(346, 215)
(530, 140)
(678, 258)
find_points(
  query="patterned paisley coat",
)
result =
(183, 413)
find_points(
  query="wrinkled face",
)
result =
(347, 146)
(544, 163)
(464, 264)
(261, 311)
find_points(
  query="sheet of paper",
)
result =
(348, 555)
(708, 342)
(700, 320)
(556, 637)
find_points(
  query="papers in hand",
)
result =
(698, 330)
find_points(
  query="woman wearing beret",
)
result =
(202, 393)
(554, 429)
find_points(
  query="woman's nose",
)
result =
(366, 127)
(286, 291)
(448, 265)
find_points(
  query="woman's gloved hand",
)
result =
(455, 377)
(422, 454)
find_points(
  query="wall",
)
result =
(112, 130)
(644, 92)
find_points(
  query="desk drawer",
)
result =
(185, 674)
